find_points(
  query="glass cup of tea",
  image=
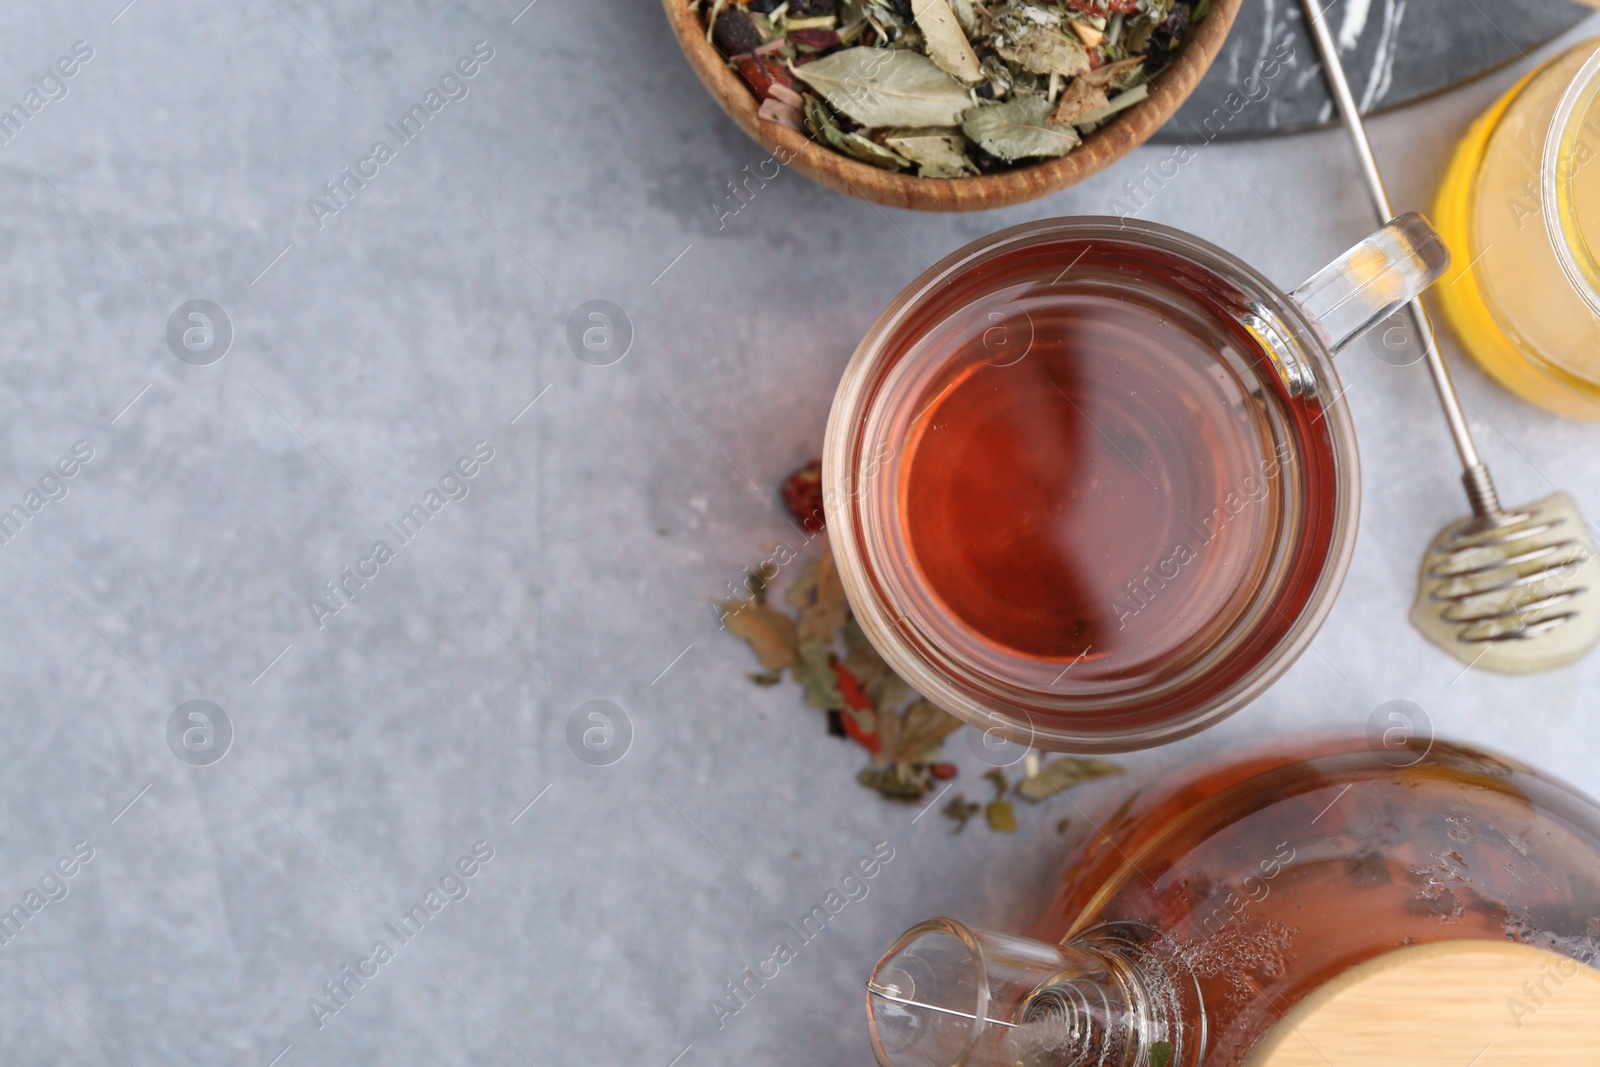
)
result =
(1090, 482)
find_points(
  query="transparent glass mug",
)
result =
(1090, 482)
(1520, 208)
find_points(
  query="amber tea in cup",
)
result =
(1091, 484)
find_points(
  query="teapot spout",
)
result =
(952, 995)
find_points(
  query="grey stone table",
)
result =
(378, 344)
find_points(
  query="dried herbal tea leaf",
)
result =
(867, 150)
(959, 810)
(1061, 826)
(922, 730)
(887, 87)
(1018, 129)
(871, 672)
(1034, 39)
(1118, 103)
(819, 595)
(764, 678)
(891, 693)
(812, 669)
(802, 592)
(1160, 1054)
(939, 152)
(966, 16)
(770, 633)
(819, 120)
(898, 781)
(1080, 97)
(946, 40)
(1113, 73)
(1136, 37)
(887, 690)
(1000, 816)
(889, 728)
(1064, 773)
(997, 778)
(1155, 11)
(855, 638)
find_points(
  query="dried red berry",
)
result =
(944, 771)
(736, 33)
(802, 495)
(859, 720)
(763, 75)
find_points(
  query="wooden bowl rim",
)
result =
(1111, 142)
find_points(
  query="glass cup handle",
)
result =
(1373, 280)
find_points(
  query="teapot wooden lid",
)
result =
(1483, 1003)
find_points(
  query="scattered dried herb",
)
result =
(960, 810)
(1064, 773)
(802, 495)
(842, 675)
(818, 594)
(771, 634)
(948, 88)
(1160, 1054)
(1018, 129)
(1000, 816)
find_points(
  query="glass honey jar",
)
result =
(1520, 210)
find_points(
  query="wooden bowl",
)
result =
(1126, 131)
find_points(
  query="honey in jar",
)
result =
(1520, 210)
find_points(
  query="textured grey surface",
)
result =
(433, 708)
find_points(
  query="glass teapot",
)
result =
(1326, 902)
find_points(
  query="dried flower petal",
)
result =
(773, 110)
(779, 91)
(814, 40)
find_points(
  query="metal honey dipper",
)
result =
(1510, 591)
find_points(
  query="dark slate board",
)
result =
(1400, 51)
